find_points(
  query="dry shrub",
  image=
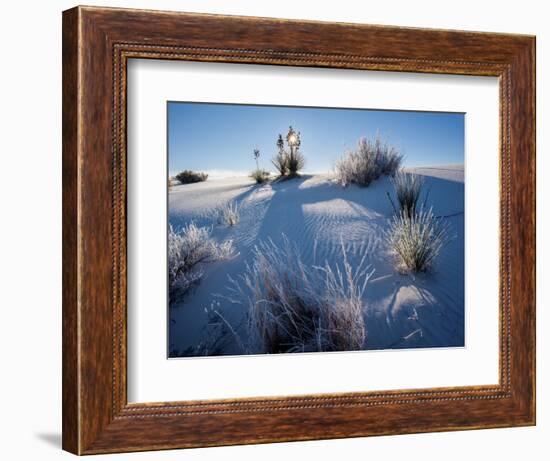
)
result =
(260, 176)
(367, 163)
(189, 177)
(188, 251)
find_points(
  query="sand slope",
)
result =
(401, 311)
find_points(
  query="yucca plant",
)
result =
(417, 239)
(289, 162)
(407, 188)
(256, 154)
(280, 160)
(296, 160)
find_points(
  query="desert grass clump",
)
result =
(188, 251)
(407, 188)
(354, 168)
(189, 177)
(417, 239)
(229, 214)
(260, 176)
(370, 160)
(294, 307)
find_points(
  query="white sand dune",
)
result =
(401, 311)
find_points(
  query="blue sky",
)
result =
(205, 136)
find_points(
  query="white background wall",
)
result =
(30, 231)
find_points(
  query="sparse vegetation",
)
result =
(188, 251)
(367, 163)
(407, 188)
(289, 162)
(293, 307)
(189, 177)
(280, 160)
(417, 239)
(260, 176)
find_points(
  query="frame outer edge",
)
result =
(533, 69)
(533, 181)
(70, 191)
(91, 418)
(522, 190)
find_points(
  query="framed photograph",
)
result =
(282, 230)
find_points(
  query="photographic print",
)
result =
(313, 229)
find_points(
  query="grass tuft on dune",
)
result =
(295, 307)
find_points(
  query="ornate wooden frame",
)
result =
(97, 43)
